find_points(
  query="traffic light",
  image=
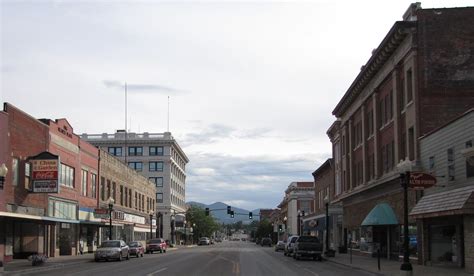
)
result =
(280, 228)
(207, 211)
(250, 215)
(232, 214)
(228, 210)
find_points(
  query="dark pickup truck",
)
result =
(308, 246)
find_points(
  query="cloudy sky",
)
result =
(251, 83)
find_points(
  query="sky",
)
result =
(252, 84)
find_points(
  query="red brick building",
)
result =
(419, 77)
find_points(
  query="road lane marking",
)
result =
(312, 272)
(156, 272)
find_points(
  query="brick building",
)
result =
(299, 197)
(134, 199)
(419, 77)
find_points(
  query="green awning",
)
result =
(381, 214)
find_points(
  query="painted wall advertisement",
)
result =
(45, 172)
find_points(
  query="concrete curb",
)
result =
(44, 268)
(354, 267)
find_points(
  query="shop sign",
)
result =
(313, 223)
(133, 218)
(101, 213)
(45, 171)
(421, 180)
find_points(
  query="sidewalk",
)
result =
(23, 265)
(392, 268)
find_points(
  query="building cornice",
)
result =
(399, 31)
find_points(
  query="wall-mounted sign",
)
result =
(421, 180)
(45, 172)
(133, 218)
(101, 213)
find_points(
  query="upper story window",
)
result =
(409, 85)
(159, 197)
(156, 151)
(157, 180)
(155, 166)
(431, 163)
(358, 133)
(138, 166)
(93, 185)
(116, 151)
(469, 161)
(135, 151)
(386, 109)
(451, 168)
(370, 122)
(84, 183)
(67, 176)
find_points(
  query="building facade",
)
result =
(299, 198)
(445, 213)
(404, 91)
(158, 157)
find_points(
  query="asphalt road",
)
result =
(226, 258)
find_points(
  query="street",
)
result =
(226, 258)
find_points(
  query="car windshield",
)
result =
(133, 244)
(308, 239)
(110, 244)
(154, 241)
(293, 239)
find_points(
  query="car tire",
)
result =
(96, 260)
(128, 256)
(120, 257)
(284, 254)
(161, 251)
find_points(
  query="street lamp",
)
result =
(284, 220)
(185, 233)
(301, 214)
(110, 202)
(404, 168)
(151, 223)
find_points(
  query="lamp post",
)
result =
(110, 202)
(185, 234)
(284, 220)
(404, 168)
(151, 223)
(172, 229)
(299, 222)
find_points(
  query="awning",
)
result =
(445, 203)
(33, 217)
(381, 214)
(143, 230)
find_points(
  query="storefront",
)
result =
(446, 229)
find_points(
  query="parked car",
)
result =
(308, 246)
(280, 246)
(266, 242)
(218, 240)
(257, 241)
(112, 250)
(136, 249)
(204, 241)
(289, 245)
(156, 245)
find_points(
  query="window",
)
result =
(108, 189)
(156, 151)
(114, 191)
(451, 169)
(67, 176)
(358, 133)
(157, 180)
(102, 188)
(28, 176)
(411, 143)
(431, 163)
(93, 185)
(138, 166)
(402, 94)
(371, 168)
(84, 183)
(305, 206)
(469, 161)
(159, 197)
(15, 171)
(382, 112)
(409, 86)
(135, 151)
(116, 151)
(155, 166)
(121, 194)
(370, 122)
(125, 196)
(62, 209)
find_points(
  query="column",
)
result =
(364, 149)
(396, 118)
(349, 152)
(376, 135)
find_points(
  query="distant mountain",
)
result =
(219, 212)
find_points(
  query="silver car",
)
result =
(112, 250)
(290, 244)
(280, 246)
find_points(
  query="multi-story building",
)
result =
(299, 198)
(315, 223)
(445, 213)
(158, 157)
(133, 197)
(419, 77)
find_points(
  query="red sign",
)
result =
(45, 172)
(421, 180)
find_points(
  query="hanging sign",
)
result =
(45, 172)
(421, 180)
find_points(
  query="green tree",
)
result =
(203, 226)
(264, 229)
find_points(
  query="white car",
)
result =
(290, 244)
(204, 241)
